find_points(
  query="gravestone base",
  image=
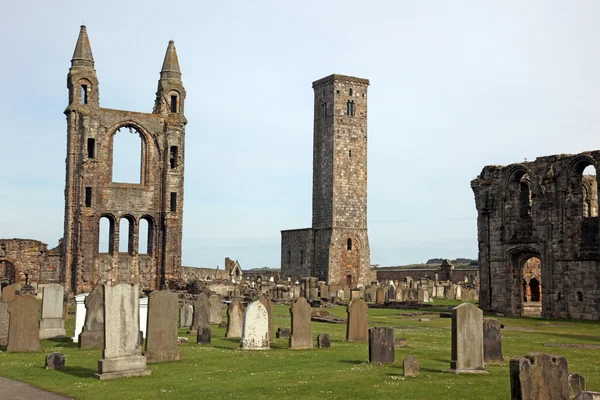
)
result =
(52, 328)
(162, 356)
(91, 340)
(121, 367)
(468, 371)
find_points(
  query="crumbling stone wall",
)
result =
(466, 275)
(25, 256)
(338, 241)
(91, 193)
(546, 209)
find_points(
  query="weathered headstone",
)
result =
(539, 376)
(122, 355)
(283, 332)
(52, 325)
(323, 341)
(410, 366)
(588, 396)
(255, 333)
(186, 315)
(355, 294)
(391, 293)
(201, 313)
(161, 340)
(204, 334)
(576, 384)
(357, 325)
(269, 307)
(492, 342)
(4, 322)
(235, 320)
(380, 296)
(467, 339)
(55, 361)
(92, 334)
(79, 315)
(23, 333)
(8, 293)
(423, 296)
(381, 345)
(216, 309)
(346, 292)
(301, 337)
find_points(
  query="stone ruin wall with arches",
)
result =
(538, 235)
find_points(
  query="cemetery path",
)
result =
(13, 390)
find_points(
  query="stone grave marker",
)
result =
(587, 395)
(23, 328)
(357, 324)
(161, 340)
(381, 345)
(391, 293)
(410, 366)
(467, 339)
(255, 333)
(235, 319)
(79, 315)
(201, 313)
(4, 322)
(323, 341)
(346, 293)
(55, 361)
(301, 337)
(355, 294)
(92, 334)
(492, 342)
(216, 309)
(539, 376)
(122, 355)
(143, 304)
(283, 332)
(269, 307)
(52, 325)
(380, 296)
(8, 293)
(186, 315)
(576, 384)
(204, 334)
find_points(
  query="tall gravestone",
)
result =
(381, 345)
(9, 293)
(255, 333)
(539, 376)
(161, 333)
(301, 337)
(201, 313)
(235, 320)
(269, 306)
(23, 329)
(492, 342)
(122, 355)
(4, 322)
(52, 325)
(467, 339)
(79, 315)
(216, 309)
(186, 315)
(92, 334)
(357, 325)
(143, 304)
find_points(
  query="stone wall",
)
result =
(546, 209)
(209, 274)
(21, 256)
(297, 253)
(470, 275)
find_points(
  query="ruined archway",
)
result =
(7, 273)
(531, 272)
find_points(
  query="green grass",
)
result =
(221, 370)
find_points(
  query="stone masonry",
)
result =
(91, 194)
(336, 248)
(545, 209)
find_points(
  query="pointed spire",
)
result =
(170, 67)
(82, 56)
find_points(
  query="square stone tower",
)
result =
(336, 248)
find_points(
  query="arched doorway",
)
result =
(7, 273)
(531, 272)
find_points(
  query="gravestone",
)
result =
(186, 315)
(576, 384)
(346, 293)
(216, 309)
(8, 293)
(122, 355)
(283, 332)
(588, 396)
(23, 328)
(401, 294)
(355, 294)
(204, 334)
(269, 307)
(381, 345)
(357, 325)
(467, 339)
(161, 339)
(301, 337)
(92, 334)
(143, 304)
(235, 320)
(391, 293)
(255, 333)
(422, 296)
(323, 341)
(380, 296)
(79, 315)
(324, 291)
(52, 325)
(492, 342)
(539, 376)
(201, 313)
(410, 366)
(4, 322)
(55, 361)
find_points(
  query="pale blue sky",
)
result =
(454, 86)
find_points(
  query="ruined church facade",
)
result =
(538, 234)
(153, 204)
(336, 248)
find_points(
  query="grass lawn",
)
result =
(221, 370)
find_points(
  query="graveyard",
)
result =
(222, 370)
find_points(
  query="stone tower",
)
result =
(154, 203)
(336, 248)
